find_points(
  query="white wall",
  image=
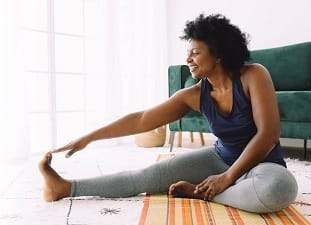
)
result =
(270, 23)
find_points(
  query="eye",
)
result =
(195, 52)
(192, 53)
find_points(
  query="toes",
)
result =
(171, 189)
(49, 158)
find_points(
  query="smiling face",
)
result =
(201, 62)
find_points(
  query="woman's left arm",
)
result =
(266, 117)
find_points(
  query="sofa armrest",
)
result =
(179, 77)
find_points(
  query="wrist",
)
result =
(230, 176)
(89, 138)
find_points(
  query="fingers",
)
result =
(197, 190)
(209, 194)
(213, 185)
(69, 147)
(70, 153)
(202, 187)
(199, 186)
(206, 187)
(66, 147)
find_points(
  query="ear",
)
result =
(218, 60)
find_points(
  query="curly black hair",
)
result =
(225, 41)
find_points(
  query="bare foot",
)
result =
(183, 189)
(55, 186)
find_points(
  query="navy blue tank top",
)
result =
(238, 128)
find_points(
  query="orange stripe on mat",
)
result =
(165, 156)
(186, 213)
(198, 212)
(283, 218)
(204, 213)
(268, 219)
(171, 211)
(299, 219)
(144, 212)
(236, 215)
(229, 214)
(210, 214)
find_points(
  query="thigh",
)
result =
(195, 166)
(268, 187)
(275, 185)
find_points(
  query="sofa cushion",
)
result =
(194, 121)
(301, 130)
(294, 105)
(289, 66)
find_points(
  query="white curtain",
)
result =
(70, 66)
(126, 58)
(13, 117)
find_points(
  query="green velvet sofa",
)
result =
(290, 69)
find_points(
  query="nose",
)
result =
(188, 59)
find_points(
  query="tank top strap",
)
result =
(205, 95)
(240, 96)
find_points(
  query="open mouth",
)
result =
(192, 68)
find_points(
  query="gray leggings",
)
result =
(267, 187)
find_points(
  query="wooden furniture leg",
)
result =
(171, 140)
(191, 136)
(202, 139)
(305, 149)
(179, 143)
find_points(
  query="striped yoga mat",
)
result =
(166, 210)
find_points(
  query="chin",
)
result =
(195, 76)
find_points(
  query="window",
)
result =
(74, 65)
(54, 46)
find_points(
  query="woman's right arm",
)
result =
(172, 109)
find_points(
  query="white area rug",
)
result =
(21, 188)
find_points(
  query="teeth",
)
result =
(192, 67)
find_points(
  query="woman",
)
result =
(245, 169)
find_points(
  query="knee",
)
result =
(153, 179)
(275, 186)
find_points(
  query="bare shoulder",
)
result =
(253, 72)
(191, 96)
(255, 75)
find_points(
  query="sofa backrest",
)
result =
(179, 77)
(289, 66)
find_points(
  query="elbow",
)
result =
(270, 136)
(274, 136)
(266, 141)
(143, 123)
(274, 140)
(135, 119)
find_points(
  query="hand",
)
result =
(73, 146)
(213, 185)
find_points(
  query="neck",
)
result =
(221, 81)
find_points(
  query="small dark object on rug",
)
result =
(110, 211)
